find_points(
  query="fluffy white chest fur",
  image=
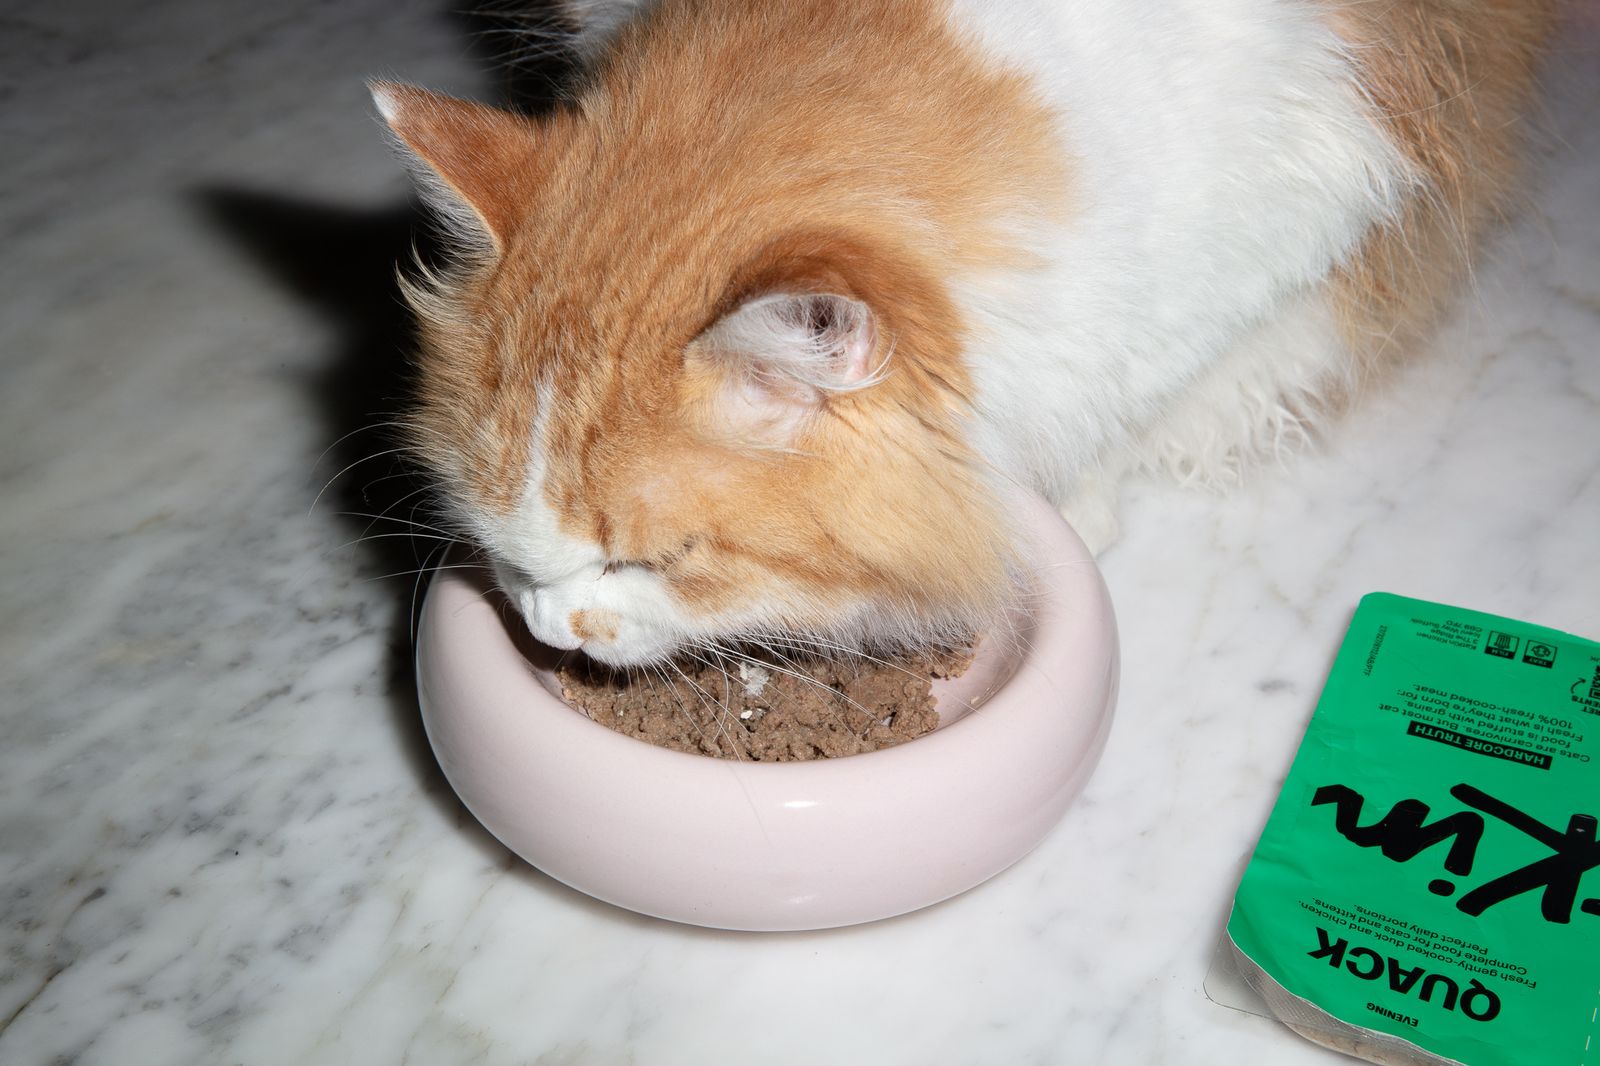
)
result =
(1224, 159)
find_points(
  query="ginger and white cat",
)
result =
(761, 333)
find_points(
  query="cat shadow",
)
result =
(517, 41)
(340, 262)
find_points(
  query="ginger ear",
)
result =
(474, 163)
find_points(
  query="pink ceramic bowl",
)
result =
(772, 846)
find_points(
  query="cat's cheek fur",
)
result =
(562, 586)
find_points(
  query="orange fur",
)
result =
(1449, 79)
(723, 151)
(590, 625)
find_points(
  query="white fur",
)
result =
(1223, 161)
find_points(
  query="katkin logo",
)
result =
(1405, 832)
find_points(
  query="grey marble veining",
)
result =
(222, 837)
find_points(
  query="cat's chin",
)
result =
(619, 656)
(630, 651)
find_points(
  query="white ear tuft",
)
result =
(822, 341)
(383, 95)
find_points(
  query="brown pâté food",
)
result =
(764, 707)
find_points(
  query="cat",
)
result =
(762, 333)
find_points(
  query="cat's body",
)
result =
(760, 336)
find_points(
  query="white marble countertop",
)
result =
(222, 836)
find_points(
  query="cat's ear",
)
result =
(804, 344)
(779, 356)
(473, 162)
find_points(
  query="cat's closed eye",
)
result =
(655, 563)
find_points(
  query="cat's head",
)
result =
(697, 376)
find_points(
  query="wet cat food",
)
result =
(764, 707)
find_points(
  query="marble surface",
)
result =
(222, 836)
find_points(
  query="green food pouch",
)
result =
(1426, 888)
